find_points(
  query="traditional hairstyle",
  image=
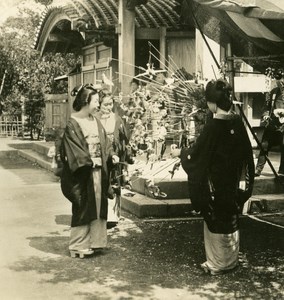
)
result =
(219, 92)
(103, 94)
(83, 95)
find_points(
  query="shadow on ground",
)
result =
(22, 169)
(144, 255)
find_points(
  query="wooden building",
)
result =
(57, 112)
(114, 36)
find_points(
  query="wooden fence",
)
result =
(11, 126)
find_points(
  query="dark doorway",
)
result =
(143, 56)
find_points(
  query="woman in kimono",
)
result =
(219, 160)
(118, 135)
(85, 152)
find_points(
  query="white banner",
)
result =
(249, 84)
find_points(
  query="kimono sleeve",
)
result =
(119, 136)
(196, 159)
(74, 149)
(126, 152)
(105, 143)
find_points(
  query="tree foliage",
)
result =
(28, 75)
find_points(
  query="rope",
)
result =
(238, 105)
(266, 222)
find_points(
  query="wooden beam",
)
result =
(154, 34)
(181, 34)
(147, 33)
(67, 37)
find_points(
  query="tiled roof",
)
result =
(104, 13)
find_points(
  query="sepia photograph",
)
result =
(142, 149)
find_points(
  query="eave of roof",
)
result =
(104, 13)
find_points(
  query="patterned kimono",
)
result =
(118, 135)
(79, 158)
(218, 161)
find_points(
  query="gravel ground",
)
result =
(167, 255)
(146, 259)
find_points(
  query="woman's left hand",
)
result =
(115, 159)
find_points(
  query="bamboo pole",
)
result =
(3, 81)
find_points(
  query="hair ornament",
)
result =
(76, 90)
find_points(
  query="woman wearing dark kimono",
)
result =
(216, 164)
(118, 135)
(85, 153)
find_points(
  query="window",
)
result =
(96, 62)
(56, 113)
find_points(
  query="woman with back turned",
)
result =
(216, 164)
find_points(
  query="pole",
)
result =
(238, 105)
(232, 74)
(3, 81)
(256, 139)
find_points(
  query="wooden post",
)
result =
(199, 52)
(163, 32)
(230, 64)
(126, 45)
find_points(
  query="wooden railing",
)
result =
(11, 126)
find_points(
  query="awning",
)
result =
(261, 9)
(254, 27)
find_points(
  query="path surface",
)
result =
(146, 259)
